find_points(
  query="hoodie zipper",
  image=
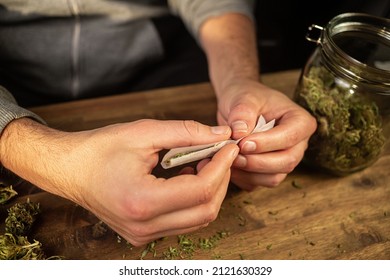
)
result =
(75, 48)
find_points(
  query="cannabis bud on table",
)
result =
(6, 193)
(14, 244)
(20, 218)
(19, 248)
(349, 136)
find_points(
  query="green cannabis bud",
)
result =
(19, 248)
(14, 244)
(20, 218)
(349, 135)
(6, 193)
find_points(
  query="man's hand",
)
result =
(109, 172)
(266, 158)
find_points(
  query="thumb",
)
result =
(173, 134)
(242, 119)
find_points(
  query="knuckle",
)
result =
(212, 215)
(139, 231)
(137, 242)
(292, 138)
(192, 127)
(312, 124)
(140, 124)
(206, 194)
(275, 180)
(137, 209)
(290, 163)
(204, 225)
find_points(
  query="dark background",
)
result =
(282, 26)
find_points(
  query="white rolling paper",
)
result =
(182, 155)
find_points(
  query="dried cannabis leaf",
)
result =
(14, 244)
(6, 193)
(186, 246)
(20, 218)
(19, 248)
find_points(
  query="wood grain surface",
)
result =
(311, 215)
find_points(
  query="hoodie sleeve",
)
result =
(195, 12)
(9, 110)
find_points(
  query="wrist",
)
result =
(35, 153)
(8, 138)
(230, 45)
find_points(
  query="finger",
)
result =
(221, 162)
(183, 221)
(185, 191)
(250, 181)
(186, 220)
(282, 161)
(172, 134)
(143, 240)
(242, 119)
(220, 119)
(290, 130)
(187, 170)
(202, 164)
(140, 233)
(178, 222)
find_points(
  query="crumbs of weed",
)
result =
(242, 220)
(186, 246)
(296, 185)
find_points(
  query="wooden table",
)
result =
(311, 215)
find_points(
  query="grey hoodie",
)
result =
(70, 49)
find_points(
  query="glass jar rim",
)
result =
(359, 23)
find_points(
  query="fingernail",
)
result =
(249, 146)
(223, 129)
(235, 152)
(240, 161)
(240, 126)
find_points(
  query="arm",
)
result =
(230, 45)
(10, 111)
(230, 36)
(109, 172)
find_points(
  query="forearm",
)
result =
(21, 140)
(36, 153)
(229, 42)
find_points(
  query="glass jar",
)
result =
(345, 85)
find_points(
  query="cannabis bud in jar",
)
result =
(349, 134)
(345, 85)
